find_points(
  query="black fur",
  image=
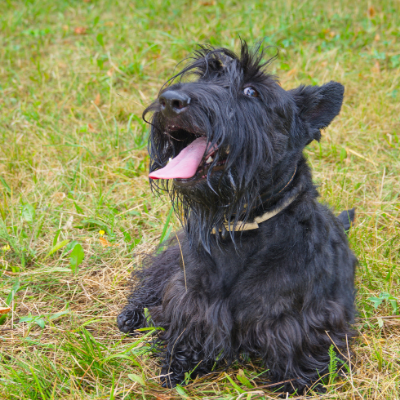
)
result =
(283, 293)
(347, 218)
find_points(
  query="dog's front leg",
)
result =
(191, 340)
(147, 292)
(180, 360)
(132, 317)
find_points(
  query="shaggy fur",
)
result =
(282, 293)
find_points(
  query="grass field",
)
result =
(75, 204)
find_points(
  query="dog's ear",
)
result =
(318, 105)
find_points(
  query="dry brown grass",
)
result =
(73, 163)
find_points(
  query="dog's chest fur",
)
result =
(284, 258)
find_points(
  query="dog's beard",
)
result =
(208, 206)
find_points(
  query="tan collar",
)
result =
(248, 226)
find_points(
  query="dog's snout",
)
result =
(173, 102)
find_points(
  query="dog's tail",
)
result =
(347, 217)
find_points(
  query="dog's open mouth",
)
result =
(192, 163)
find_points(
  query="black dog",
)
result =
(261, 269)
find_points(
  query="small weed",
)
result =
(385, 297)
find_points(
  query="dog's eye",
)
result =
(251, 92)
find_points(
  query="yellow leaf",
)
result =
(4, 310)
(80, 30)
(376, 69)
(97, 100)
(371, 11)
(105, 243)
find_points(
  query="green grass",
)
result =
(74, 79)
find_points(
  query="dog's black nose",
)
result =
(172, 102)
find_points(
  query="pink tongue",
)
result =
(185, 164)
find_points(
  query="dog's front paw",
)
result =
(168, 378)
(130, 319)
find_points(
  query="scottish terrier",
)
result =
(260, 270)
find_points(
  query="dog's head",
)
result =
(226, 131)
